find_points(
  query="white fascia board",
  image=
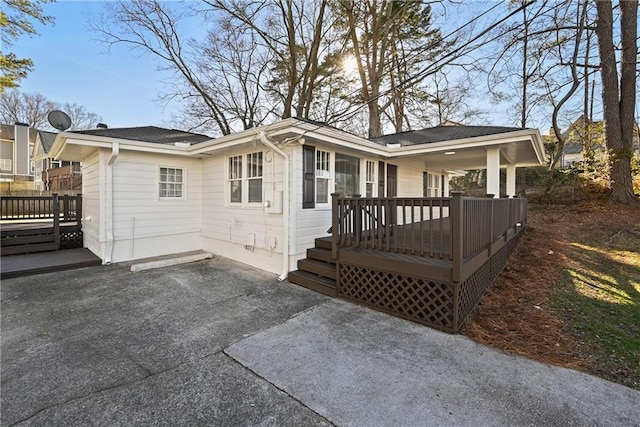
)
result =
(296, 127)
(538, 146)
(242, 137)
(106, 142)
(475, 142)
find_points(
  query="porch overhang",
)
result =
(521, 148)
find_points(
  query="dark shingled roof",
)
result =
(148, 134)
(47, 139)
(441, 133)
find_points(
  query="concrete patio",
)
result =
(219, 343)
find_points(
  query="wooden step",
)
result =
(26, 240)
(320, 268)
(323, 243)
(315, 283)
(320, 254)
(29, 249)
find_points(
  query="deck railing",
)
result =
(448, 228)
(62, 208)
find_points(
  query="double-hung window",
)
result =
(171, 183)
(431, 184)
(6, 164)
(235, 179)
(323, 174)
(370, 178)
(254, 177)
(245, 178)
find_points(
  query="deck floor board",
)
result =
(45, 262)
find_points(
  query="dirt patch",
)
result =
(516, 314)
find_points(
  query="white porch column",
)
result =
(493, 171)
(511, 180)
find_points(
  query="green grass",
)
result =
(599, 298)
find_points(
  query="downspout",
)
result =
(286, 204)
(115, 151)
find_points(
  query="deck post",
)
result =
(357, 219)
(79, 209)
(457, 235)
(335, 225)
(56, 219)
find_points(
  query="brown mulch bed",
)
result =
(515, 313)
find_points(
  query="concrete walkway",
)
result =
(219, 343)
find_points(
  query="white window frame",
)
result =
(370, 178)
(433, 184)
(248, 171)
(6, 162)
(252, 170)
(183, 182)
(234, 175)
(323, 172)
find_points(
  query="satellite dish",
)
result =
(59, 120)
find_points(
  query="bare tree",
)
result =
(81, 118)
(619, 94)
(153, 27)
(33, 109)
(29, 108)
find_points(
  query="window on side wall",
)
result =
(6, 164)
(254, 176)
(171, 183)
(323, 174)
(347, 175)
(235, 179)
(431, 183)
(245, 178)
(370, 178)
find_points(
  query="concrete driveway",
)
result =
(220, 343)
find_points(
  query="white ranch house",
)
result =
(262, 196)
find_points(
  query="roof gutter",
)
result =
(286, 204)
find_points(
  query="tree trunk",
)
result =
(616, 103)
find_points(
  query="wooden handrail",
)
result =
(452, 228)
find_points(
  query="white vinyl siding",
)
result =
(145, 225)
(91, 201)
(228, 227)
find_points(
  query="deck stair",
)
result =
(318, 271)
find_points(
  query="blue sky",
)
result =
(122, 86)
(71, 66)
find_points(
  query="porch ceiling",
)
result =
(519, 153)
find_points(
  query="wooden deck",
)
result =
(46, 262)
(428, 260)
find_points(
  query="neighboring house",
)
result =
(573, 150)
(262, 196)
(16, 145)
(51, 174)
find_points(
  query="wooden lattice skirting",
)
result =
(441, 305)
